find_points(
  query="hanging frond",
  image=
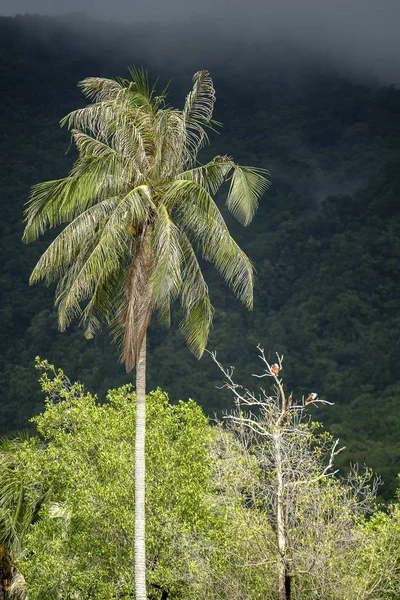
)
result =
(202, 220)
(42, 210)
(248, 184)
(105, 302)
(109, 215)
(196, 324)
(91, 180)
(98, 260)
(195, 300)
(166, 277)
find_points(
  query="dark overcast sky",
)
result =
(363, 32)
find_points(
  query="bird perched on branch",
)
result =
(311, 397)
(275, 368)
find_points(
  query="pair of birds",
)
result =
(312, 396)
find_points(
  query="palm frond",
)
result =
(104, 302)
(131, 142)
(89, 146)
(95, 118)
(195, 300)
(211, 175)
(141, 92)
(91, 180)
(166, 278)
(248, 184)
(198, 109)
(170, 151)
(134, 209)
(105, 119)
(18, 503)
(100, 89)
(201, 219)
(110, 215)
(121, 150)
(199, 104)
(42, 209)
(63, 250)
(99, 258)
(196, 324)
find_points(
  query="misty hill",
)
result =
(325, 242)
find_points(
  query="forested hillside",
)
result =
(325, 242)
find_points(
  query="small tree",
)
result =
(315, 516)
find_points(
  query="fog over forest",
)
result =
(358, 35)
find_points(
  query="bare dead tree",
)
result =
(313, 513)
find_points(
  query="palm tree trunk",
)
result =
(140, 471)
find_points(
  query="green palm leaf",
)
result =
(202, 220)
(166, 278)
(212, 175)
(198, 110)
(248, 184)
(195, 300)
(63, 250)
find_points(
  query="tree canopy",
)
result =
(136, 200)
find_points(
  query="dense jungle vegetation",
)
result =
(325, 242)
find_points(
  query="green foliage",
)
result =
(380, 561)
(83, 542)
(197, 544)
(210, 520)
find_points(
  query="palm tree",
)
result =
(136, 200)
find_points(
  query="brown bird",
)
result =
(311, 397)
(275, 369)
